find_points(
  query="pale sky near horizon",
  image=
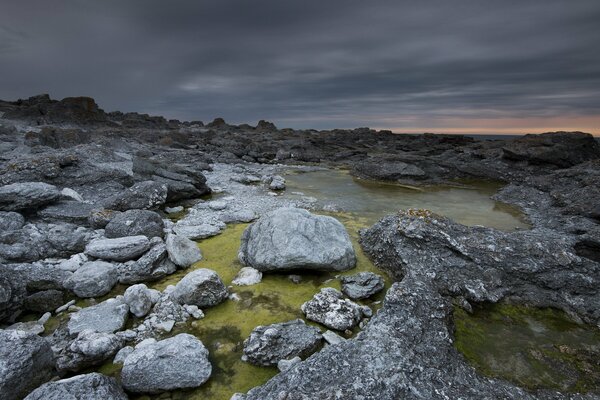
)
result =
(461, 66)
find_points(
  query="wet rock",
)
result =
(88, 349)
(362, 285)
(26, 361)
(247, 276)
(119, 249)
(201, 287)
(135, 223)
(268, 345)
(27, 196)
(93, 279)
(153, 265)
(139, 299)
(142, 195)
(11, 221)
(92, 386)
(182, 251)
(108, 316)
(43, 301)
(292, 238)
(179, 362)
(197, 232)
(328, 307)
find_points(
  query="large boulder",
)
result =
(142, 195)
(182, 251)
(108, 316)
(562, 149)
(153, 265)
(26, 361)
(293, 238)
(202, 288)
(93, 279)
(135, 223)
(119, 249)
(328, 307)
(27, 196)
(179, 362)
(267, 345)
(92, 386)
(362, 285)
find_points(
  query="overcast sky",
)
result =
(412, 66)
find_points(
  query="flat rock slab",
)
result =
(268, 345)
(68, 211)
(119, 249)
(108, 316)
(92, 386)
(179, 362)
(135, 223)
(27, 195)
(293, 238)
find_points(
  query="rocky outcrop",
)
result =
(292, 238)
(92, 386)
(267, 345)
(26, 361)
(202, 288)
(179, 362)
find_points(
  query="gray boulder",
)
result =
(108, 316)
(277, 183)
(92, 386)
(182, 251)
(44, 300)
(153, 265)
(268, 345)
(27, 195)
(201, 287)
(197, 232)
(328, 307)
(139, 299)
(26, 361)
(119, 249)
(88, 349)
(11, 221)
(179, 362)
(134, 223)
(141, 196)
(292, 238)
(362, 285)
(93, 279)
(68, 211)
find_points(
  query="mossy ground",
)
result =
(531, 347)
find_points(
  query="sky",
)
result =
(447, 66)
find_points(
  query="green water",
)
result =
(533, 348)
(468, 203)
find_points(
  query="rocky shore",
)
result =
(98, 206)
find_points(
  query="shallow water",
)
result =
(533, 348)
(468, 203)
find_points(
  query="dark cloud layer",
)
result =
(408, 65)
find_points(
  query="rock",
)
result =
(93, 279)
(27, 196)
(179, 362)
(74, 262)
(362, 285)
(174, 210)
(108, 316)
(152, 266)
(88, 349)
(284, 365)
(11, 221)
(122, 355)
(182, 251)
(388, 170)
(237, 216)
(332, 337)
(30, 327)
(26, 361)
(43, 301)
(139, 299)
(277, 183)
(142, 195)
(329, 308)
(71, 194)
(68, 211)
(247, 276)
(135, 223)
(92, 386)
(292, 238)
(197, 232)
(201, 287)
(562, 149)
(268, 345)
(119, 249)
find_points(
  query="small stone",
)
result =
(247, 276)
(284, 365)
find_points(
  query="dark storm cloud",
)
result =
(334, 63)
